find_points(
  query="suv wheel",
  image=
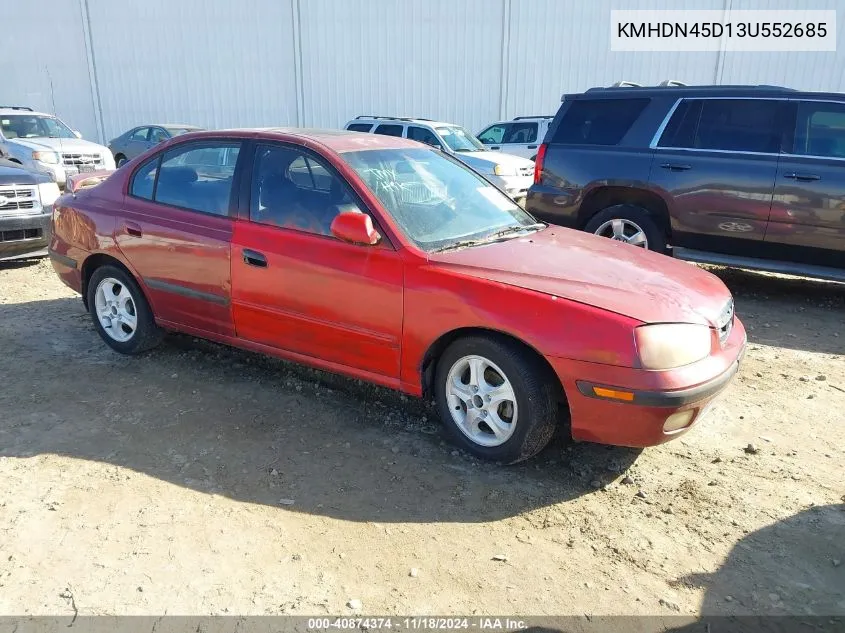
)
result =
(629, 224)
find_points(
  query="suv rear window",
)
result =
(359, 127)
(598, 121)
(738, 125)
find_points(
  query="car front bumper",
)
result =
(652, 399)
(24, 235)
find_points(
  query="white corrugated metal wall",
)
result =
(220, 63)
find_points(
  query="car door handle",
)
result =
(532, 147)
(495, 147)
(254, 258)
(802, 177)
(675, 167)
(132, 229)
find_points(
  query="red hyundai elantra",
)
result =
(386, 260)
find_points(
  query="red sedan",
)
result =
(386, 260)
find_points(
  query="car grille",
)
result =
(82, 160)
(725, 322)
(15, 199)
(526, 171)
(19, 234)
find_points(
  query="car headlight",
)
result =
(48, 191)
(51, 158)
(670, 345)
(504, 170)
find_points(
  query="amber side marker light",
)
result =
(613, 394)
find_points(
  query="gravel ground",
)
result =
(198, 479)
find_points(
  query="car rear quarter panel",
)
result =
(84, 225)
(569, 177)
(439, 301)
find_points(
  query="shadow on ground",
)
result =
(222, 421)
(790, 312)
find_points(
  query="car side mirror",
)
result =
(355, 227)
(77, 134)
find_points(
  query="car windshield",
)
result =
(459, 139)
(33, 126)
(438, 202)
(178, 131)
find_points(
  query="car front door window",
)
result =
(493, 135)
(294, 190)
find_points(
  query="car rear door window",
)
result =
(520, 133)
(736, 125)
(198, 177)
(598, 121)
(423, 135)
(820, 129)
(359, 127)
(296, 190)
(740, 125)
(389, 130)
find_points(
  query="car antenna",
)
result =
(53, 101)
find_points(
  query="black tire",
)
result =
(654, 229)
(146, 334)
(535, 390)
(120, 160)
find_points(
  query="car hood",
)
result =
(484, 161)
(596, 271)
(71, 145)
(13, 174)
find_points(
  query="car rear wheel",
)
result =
(120, 160)
(629, 224)
(496, 400)
(120, 312)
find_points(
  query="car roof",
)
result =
(183, 126)
(6, 111)
(399, 120)
(529, 119)
(336, 140)
(761, 91)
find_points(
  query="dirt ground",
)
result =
(198, 479)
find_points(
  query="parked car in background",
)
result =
(43, 143)
(139, 139)
(520, 137)
(26, 202)
(745, 176)
(377, 257)
(512, 174)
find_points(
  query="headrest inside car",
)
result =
(177, 175)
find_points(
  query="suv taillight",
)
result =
(538, 163)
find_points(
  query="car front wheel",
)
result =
(496, 399)
(120, 311)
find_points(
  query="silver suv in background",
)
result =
(520, 137)
(45, 144)
(512, 174)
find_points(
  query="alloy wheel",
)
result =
(621, 230)
(116, 310)
(481, 400)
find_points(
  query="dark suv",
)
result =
(746, 176)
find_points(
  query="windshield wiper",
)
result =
(461, 244)
(516, 228)
(493, 237)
